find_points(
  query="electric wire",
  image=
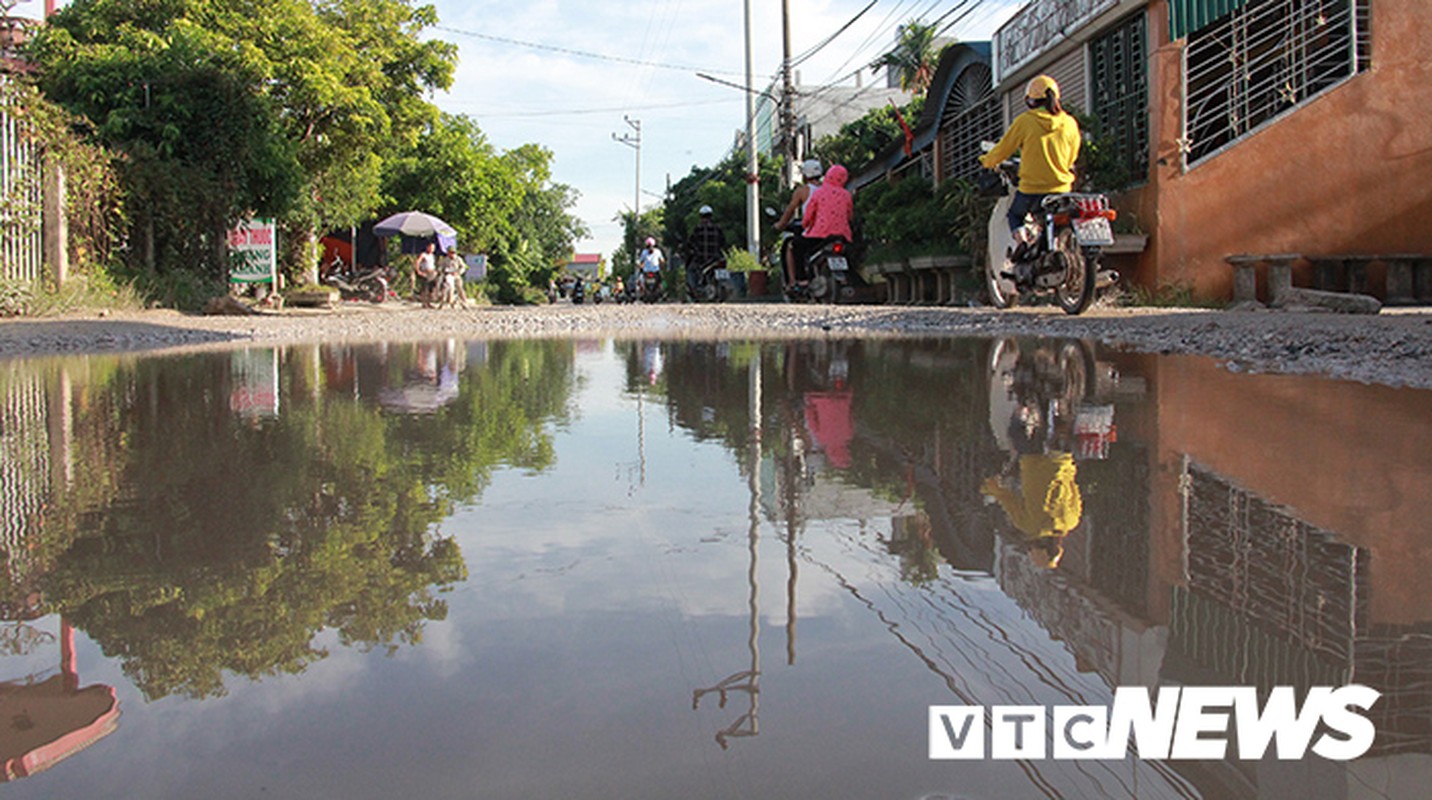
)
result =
(581, 53)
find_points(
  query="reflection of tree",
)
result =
(220, 545)
(917, 427)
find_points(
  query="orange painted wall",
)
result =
(1349, 172)
(1346, 457)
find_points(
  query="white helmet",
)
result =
(811, 168)
(704, 211)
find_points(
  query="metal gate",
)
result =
(21, 238)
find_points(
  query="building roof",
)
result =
(587, 258)
(953, 62)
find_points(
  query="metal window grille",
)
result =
(1119, 90)
(1295, 583)
(974, 116)
(1264, 60)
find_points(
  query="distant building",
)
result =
(819, 111)
(588, 265)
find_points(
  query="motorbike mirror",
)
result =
(770, 212)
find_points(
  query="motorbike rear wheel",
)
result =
(1075, 291)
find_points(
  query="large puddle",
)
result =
(625, 569)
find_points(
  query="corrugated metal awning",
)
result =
(1186, 16)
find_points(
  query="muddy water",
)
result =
(655, 569)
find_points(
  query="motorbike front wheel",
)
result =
(1002, 291)
(1076, 291)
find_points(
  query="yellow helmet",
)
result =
(1039, 86)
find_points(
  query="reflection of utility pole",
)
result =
(633, 141)
(747, 681)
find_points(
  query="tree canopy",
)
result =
(316, 112)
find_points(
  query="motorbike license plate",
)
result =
(723, 274)
(1096, 231)
(837, 263)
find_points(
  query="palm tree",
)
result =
(913, 58)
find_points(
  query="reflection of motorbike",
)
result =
(1041, 397)
(1041, 414)
(1055, 253)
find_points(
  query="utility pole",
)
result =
(788, 113)
(633, 140)
(753, 171)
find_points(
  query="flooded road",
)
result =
(651, 569)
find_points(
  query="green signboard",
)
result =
(253, 251)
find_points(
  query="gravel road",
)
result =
(1393, 348)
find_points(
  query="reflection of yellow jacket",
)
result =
(1048, 503)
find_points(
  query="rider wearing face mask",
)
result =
(1047, 139)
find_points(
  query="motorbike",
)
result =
(579, 292)
(710, 282)
(369, 284)
(1056, 252)
(448, 292)
(832, 278)
(650, 287)
(826, 274)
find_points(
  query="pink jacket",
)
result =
(830, 207)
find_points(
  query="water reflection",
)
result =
(589, 528)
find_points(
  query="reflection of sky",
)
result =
(600, 595)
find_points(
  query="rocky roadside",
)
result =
(1393, 348)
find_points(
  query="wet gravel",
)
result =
(1393, 348)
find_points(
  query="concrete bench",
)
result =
(1409, 275)
(1282, 293)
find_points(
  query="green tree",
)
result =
(914, 57)
(281, 106)
(723, 187)
(857, 143)
(205, 544)
(198, 147)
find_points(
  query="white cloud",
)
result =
(515, 91)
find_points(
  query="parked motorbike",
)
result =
(579, 292)
(1057, 251)
(710, 282)
(369, 284)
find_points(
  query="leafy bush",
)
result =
(910, 218)
(15, 298)
(739, 259)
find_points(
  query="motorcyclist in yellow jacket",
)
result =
(1047, 139)
(1048, 504)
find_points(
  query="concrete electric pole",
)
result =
(633, 140)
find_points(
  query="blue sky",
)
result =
(573, 104)
(548, 89)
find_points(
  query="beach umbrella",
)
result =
(413, 223)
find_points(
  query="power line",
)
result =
(803, 57)
(612, 110)
(579, 53)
